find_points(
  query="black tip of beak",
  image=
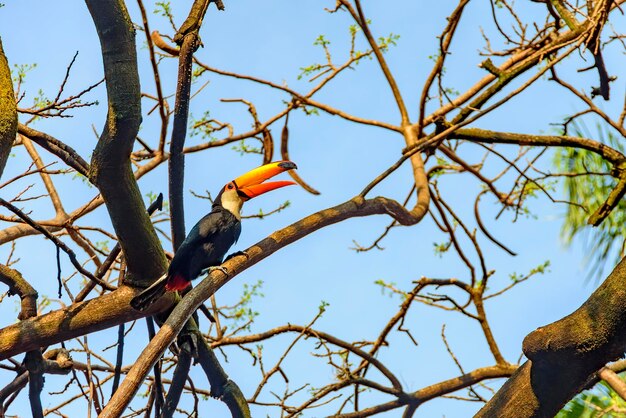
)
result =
(287, 165)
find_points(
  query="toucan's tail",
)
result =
(142, 301)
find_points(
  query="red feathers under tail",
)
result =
(142, 301)
(177, 282)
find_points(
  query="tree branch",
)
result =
(19, 286)
(34, 363)
(178, 380)
(56, 147)
(494, 137)
(60, 244)
(356, 207)
(8, 110)
(221, 386)
(438, 389)
(565, 355)
(110, 169)
(190, 42)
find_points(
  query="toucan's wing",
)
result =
(206, 244)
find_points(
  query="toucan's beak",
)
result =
(251, 184)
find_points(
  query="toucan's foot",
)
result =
(237, 253)
(213, 268)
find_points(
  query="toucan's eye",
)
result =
(230, 186)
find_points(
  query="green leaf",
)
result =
(605, 242)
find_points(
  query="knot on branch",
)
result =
(193, 22)
(400, 213)
(491, 67)
(589, 337)
(58, 361)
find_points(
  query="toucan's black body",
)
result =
(210, 239)
(206, 245)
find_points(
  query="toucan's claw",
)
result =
(213, 268)
(237, 253)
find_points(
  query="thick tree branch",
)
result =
(8, 110)
(110, 169)
(78, 319)
(221, 386)
(34, 363)
(194, 20)
(566, 354)
(613, 380)
(113, 308)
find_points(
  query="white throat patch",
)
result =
(232, 203)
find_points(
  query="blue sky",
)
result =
(273, 40)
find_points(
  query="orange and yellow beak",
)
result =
(251, 184)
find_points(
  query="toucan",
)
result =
(208, 241)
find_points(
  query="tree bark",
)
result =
(8, 110)
(565, 355)
(110, 167)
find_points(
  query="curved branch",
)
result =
(19, 286)
(356, 207)
(110, 168)
(247, 339)
(114, 308)
(484, 230)
(438, 389)
(284, 153)
(56, 147)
